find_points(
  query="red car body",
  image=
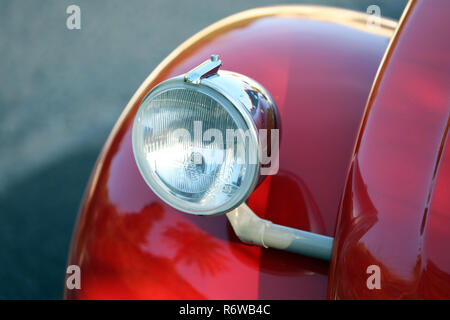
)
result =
(364, 158)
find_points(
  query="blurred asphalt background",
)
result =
(61, 92)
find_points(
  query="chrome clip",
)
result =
(207, 68)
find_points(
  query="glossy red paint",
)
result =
(130, 244)
(396, 207)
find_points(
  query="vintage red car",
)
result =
(357, 187)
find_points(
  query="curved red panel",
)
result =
(130, 244)
(396, 210)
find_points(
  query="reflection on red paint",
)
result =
(195, 247)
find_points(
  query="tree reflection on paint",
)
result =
(194, 246)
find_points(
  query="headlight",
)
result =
(195, 138)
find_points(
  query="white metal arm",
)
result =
(251, 229)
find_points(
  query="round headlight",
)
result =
(195, 140)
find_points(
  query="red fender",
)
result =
(395, 212)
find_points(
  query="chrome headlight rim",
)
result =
(236, 109)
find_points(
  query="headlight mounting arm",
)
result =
(251, 229)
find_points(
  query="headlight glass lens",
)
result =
(195, 149)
